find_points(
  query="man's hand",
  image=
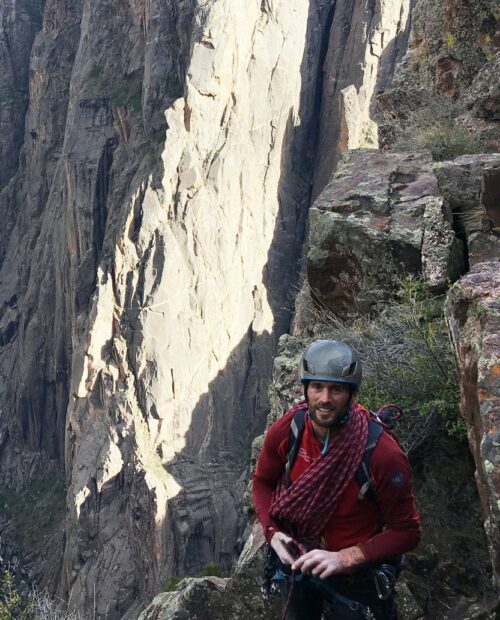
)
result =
(285, 546)
(322, 563)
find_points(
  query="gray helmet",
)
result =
(330, 360)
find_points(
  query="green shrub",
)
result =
(451, 41)
(213, 569)
(408, 359)
(172, 583)
(12, 604)
(35, 510)
(37, 606)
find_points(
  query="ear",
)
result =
(354, 396)
(302, 388)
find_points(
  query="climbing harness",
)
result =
(324, 587)
(269, 586)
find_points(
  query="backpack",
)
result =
(380, 421)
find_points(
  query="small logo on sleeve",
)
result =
(397, 479)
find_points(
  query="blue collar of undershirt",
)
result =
(342, 422)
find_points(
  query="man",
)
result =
(323, 531)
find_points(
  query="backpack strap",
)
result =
(294, 435)
(362, 474)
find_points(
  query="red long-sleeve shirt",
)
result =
(382, 529)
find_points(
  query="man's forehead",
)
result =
(328, 384)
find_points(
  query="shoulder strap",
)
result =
(362, 474)
(294, 436)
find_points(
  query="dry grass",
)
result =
(35, 605)
(434, 127)
(46, 608)
(407, 358)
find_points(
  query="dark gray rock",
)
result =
(484, 94)
(473, 310)
(381, 218)
(19, 22)
(471, 186)
(220, 599)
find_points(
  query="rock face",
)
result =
(366, 41)
(474, 315)
(151, 228)
(158, 249)
(391, 204)
(453, 42)
(448, 80)
(484, 94)
(471, 186)
(19, 22)
(220, 599)
(152, 232)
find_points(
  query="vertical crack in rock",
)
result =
(101, 196)
(365, 42)
(192, 315)
(19, 23)
(35, 365)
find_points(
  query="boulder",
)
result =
(220, 598)
(381, 218)
(193, 599)
(471, 187)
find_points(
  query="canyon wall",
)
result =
(158, 168)
(154, 224)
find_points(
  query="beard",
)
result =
(335, 419)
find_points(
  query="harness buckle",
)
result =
(385, 580)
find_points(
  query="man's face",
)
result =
(328, 402)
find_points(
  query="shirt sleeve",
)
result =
(268, 472)
(391, 476)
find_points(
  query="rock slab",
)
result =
(381, 218)
(473, 310)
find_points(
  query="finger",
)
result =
(306, 560)
(312, 565)
(316, 570)
(319, 568)
(327, 572)
(298, 563)
(305, 570)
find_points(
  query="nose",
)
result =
(324, 395)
